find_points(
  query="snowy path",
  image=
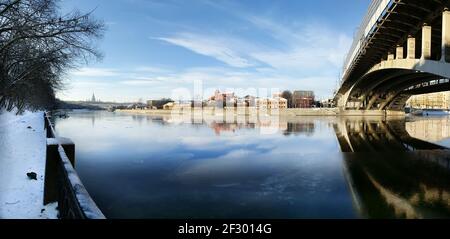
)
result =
(22, 150)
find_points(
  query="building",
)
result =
(262, 103)
(328, 103)
(226, 96)
(137, 106)
(168, 106)
(241, 103)
(220, 99)
(247, 101)
(157, 104)
(182, 105)
(211, 103)
(277, 103)
(250, 100)
(430, 101)
(303, 99)
(271, 103)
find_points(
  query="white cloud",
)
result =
(307, 46)
(151, 69)
(301, 47)
(138, 81)
(95, 72)
(276, 30)
(208, 46)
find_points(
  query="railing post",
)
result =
(45, 122)
(47, 126)
(445, 35)
(390, 56)
(411, 47)
(51, 172)
(399, 52)
(51, 187)
(426, 42)
(69, 148)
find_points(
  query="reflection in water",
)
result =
(393, 175)
(377, 136)
(429, 129)
(400, 185)
(306, 128)
(223, 123)
(203, 166)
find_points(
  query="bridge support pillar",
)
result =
(411, 48)
(399, 52)
(446, 35)
(426, 42)
(390, 57)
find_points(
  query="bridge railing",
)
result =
(62, 183)
(376, 10)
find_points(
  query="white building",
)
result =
(271, 103)
(439, 100)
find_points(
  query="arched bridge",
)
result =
(402, 49)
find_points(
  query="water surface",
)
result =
(175, 166)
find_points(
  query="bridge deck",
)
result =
(399, 20)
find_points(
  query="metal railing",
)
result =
(376, 10)
(62, 183)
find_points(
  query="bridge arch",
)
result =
(388, 85)
(412, 39)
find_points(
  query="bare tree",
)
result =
(288, 96)
(37, 46)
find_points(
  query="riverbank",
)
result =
(246, 111)
(22, 151)
(281, 112)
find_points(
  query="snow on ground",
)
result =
(22, 150)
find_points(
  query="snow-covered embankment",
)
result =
(22, 151)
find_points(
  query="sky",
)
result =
(152, 48)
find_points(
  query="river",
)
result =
(175, 166)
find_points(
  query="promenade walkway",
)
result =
(22, 151)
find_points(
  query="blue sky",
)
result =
(153, 47)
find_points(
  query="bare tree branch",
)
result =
(37, 45)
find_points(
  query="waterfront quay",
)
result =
(22, 152)
(255, 111)
(37, 171)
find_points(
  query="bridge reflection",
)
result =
(358, 135)
(429, 129)
(390, 173)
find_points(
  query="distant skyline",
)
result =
(153, 47)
